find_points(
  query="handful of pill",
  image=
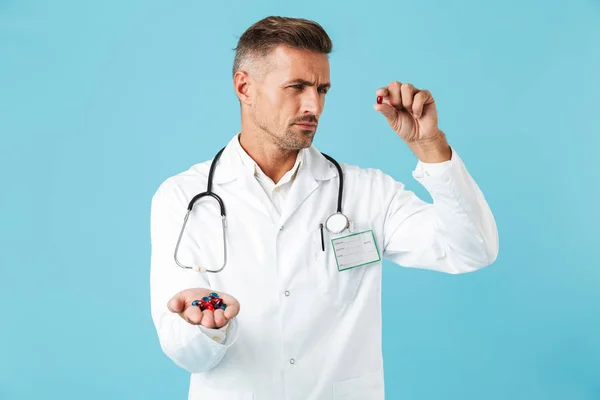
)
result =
(211, 302)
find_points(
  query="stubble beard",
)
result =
(288, 141)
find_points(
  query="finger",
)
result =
(219, 317)
(382, 91)
(232, 310)
(208, 319)
(192, 314)
(388, 111)
(176, 304)
(395, 96)
(422, 99)
(407, 92)
(182, 300)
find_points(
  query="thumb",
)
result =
(388, 112)
(176, 304)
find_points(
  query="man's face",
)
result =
(289, 99)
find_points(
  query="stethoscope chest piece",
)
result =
(336, 223)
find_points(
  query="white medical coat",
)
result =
(305, 330)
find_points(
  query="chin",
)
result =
(307, 139)
(300, 139)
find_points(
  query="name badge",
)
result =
(355, 250)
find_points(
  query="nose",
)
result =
(312, 102)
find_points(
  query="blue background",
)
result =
(100, 102)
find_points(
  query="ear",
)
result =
(241, 84)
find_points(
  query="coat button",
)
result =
(287, 292)
(292, 361)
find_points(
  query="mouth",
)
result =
(306, 125)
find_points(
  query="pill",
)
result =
(211, 303)
(202, 304)
(379, 99)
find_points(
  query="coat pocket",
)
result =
(367, 387)
(339, 287)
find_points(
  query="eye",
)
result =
(298, 86)
(323, 90)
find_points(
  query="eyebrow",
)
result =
(307, 83)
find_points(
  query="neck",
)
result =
(272, 160)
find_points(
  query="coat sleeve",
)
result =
(191, 347)
(456, 234)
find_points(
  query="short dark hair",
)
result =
(268, 33)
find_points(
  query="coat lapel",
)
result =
(315, 168)
(230, 170)
(303, 186)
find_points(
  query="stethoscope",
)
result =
(335, 223)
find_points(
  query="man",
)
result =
(303, 318)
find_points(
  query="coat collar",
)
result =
(230, 165)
